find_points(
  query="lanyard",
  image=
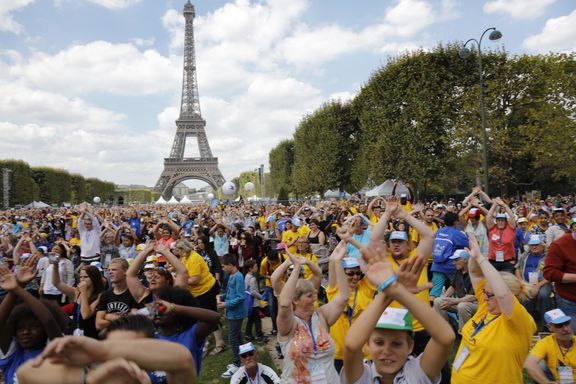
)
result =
(481, 325)
(309, 327)
(257, 381)
(78, 315)
(564, 360)
(350, 310)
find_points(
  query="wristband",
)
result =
(387, 283)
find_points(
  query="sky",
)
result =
(94, 86)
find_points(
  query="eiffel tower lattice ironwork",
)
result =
(177, 168)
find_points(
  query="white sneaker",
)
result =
(230, 371)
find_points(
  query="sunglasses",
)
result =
(562, 325)
(242, 238)
(247, 354)
(352, 273)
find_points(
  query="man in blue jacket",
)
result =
(447, 240)
(236, 309)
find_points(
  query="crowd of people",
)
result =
(379, 290)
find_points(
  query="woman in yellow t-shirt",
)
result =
(495, 341)
(361, 295)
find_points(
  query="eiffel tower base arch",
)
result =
(176, 171)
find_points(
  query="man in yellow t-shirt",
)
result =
(556, 351)
(290, 236)
(428, 219)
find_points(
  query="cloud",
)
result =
(7, 22)
(556, 36)
(518, 9)
(115, 4)
(101, 66)
(402, 21)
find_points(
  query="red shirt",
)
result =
(561, 259)
(501, 240)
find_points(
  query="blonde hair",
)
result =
(184, 244)
(519, 288)
(305, 239)
(303, 286)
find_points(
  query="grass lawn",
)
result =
(214, 366)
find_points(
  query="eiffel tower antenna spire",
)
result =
(177, 168)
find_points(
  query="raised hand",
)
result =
(378, 267)
(393, 207)
(8, 281)
(474, 249)
(118, 371)
(27, 270)
(409, 273)
(78, 351)
(159, 248)
(476, 190)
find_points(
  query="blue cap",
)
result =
(248, 347)
(556, 316)
(399, 235)
(535, 240)
(350, 262)
(460, 254)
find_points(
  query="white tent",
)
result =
(161, 200)
(385, 189)
(329, 194)
(185, 200)
(37, 204)
(172, 201)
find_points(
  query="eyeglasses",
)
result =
(247, 354)
(352, 273)
(488, 294)
(242, 238)
(562, 325)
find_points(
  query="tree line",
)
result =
(418, 119)
(52, 186)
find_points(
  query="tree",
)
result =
(325, 149)
(281, 159)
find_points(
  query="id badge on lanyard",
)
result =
(565, 374)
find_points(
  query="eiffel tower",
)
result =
(177, 168)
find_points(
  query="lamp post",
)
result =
(464, 53)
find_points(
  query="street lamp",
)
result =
(464, 53)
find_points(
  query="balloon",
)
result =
(229, 188)
(249, 186)
(96, 200)
(210, 196)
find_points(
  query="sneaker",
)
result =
(272, 333)
(262, 339)
(230, 371)
(248, 338)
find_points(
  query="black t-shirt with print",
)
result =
(120, 304)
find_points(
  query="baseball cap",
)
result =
(440, 206)
(557, 209)
(97, 264)
(245, 348)
(572, 222)
(152, 259)
(43, 249)
(149, 266)
(399, 319)
(556, 316)
(399, 235)
(474, 212)
(140, 247)
(460, 254)
(522, 220)
(403, 196)
(535, 240)
(501, 216)
(350, 262)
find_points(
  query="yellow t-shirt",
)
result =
(74, 241)
(374, 219)
(415, 237)
(423, 295)
(195, 265)
(303, 230)
(266, 268)
(548, 350)
(364, 296)
(407, 207)
(497, 352)
(310, 256)
(288, 237)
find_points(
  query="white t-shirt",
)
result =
(265, 375)
(411, 373)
